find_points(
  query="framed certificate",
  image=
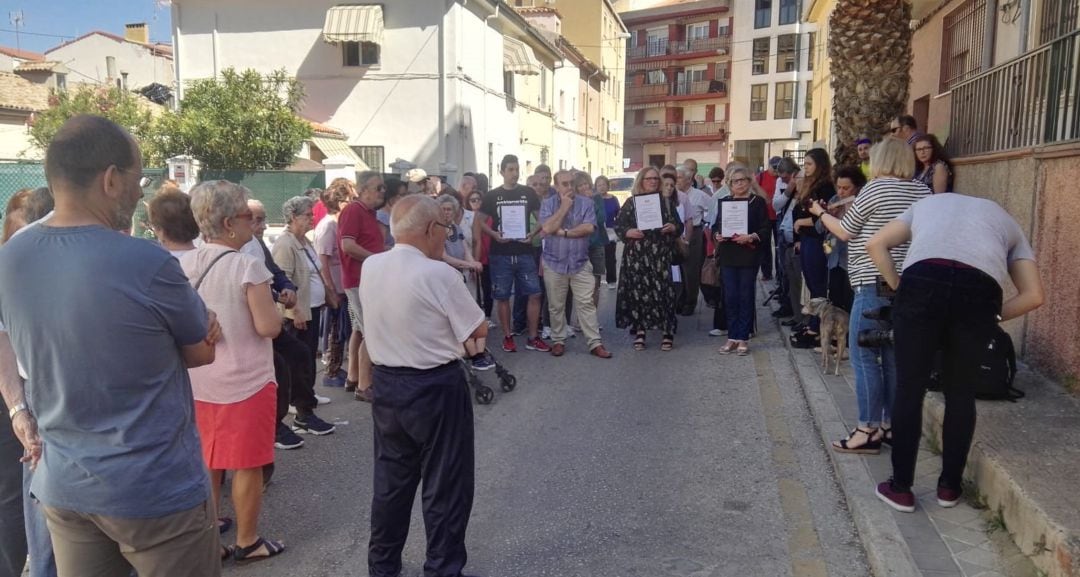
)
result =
(513, 221)
(649, 214)
(734, 217)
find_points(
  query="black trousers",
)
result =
(485, 287)
(12, 528)
(423, 431)
(954, 311)
(767, 252)
(295, 373)
(609, 262)
(310, 338)
(840, 292)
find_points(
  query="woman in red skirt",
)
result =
(235, 396)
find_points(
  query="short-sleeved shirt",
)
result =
(359, 223)
(699, 202)
(495, 200)
(404, 288)
(99, 319)
(878, 203)
(567, 255)
(243, 361)
(974, 231)
(326, 244)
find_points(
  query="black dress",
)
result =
(646, 298)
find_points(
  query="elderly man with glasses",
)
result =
(904, 126)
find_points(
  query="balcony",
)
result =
(1028, 101)
(658, 47)
(676, 91)
(702, 45)
(654, 47)
(686, 131)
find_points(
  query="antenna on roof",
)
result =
(16, 19)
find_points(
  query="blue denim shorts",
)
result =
(506, 270)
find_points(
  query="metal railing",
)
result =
(701, 45)
(1033, 99)
(681, 130)
(647, 91)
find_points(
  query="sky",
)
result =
(47, 23)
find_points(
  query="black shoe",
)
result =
(284, 438)
(805, 340)
(781, 313)
(312, 424)
(790, 323)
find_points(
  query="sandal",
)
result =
(743, 349)
(886, 435)
(226, 552)
(244, 555)
(639, 342)
(870, 447)
(667, 343)
(728, 348)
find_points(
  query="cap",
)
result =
(416, 175)
(774, 161)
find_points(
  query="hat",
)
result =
(416, 175)
(774, 161)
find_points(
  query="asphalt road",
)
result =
(685, 463)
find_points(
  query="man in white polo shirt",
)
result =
(421, 408)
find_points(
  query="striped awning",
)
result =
(646, 106)
(333, 147)
(519, 58)
(354, 23)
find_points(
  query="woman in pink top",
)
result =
(236, 396)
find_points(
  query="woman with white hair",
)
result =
(458, 253)
(235, 396)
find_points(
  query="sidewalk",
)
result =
(974, 539)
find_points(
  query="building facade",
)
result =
(679, 67)
(772, 76)
(138, 61)
(819, 88)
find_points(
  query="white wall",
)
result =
(86, 61)
(15, 140)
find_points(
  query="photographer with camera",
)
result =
(949, 301)
(890, 192)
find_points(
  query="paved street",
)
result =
(652, 464)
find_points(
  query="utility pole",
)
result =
(16, 19)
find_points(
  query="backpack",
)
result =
(997, 371)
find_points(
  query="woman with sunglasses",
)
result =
(646, 298)
(932, 165)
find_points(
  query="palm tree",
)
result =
(870, 49)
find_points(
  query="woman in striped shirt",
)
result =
(890, 192)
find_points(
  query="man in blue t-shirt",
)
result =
(106, 327)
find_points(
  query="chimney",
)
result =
(138, 32)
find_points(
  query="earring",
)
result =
(232, 234)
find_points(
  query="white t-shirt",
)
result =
(974, 231)
(318, 289)
(699, 205)
(417, 312)
(243, 361)
(326, 243)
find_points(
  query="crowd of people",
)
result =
(231, 332)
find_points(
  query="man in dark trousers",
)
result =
(421, 409)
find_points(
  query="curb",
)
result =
(886, 549)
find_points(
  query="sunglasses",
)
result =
(475, 199)
(894, 129)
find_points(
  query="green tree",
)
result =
(242, 120)
(129, 110)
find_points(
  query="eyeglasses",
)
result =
(740, 180)
(259, 219)
(449, 227)
(894, 129)
(924, 149)
(653, 178)
(144, 181)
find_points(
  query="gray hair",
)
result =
(365, 176)
(214, 201)
(296, 206)
(412, 214)
(254, 203)
(684, 172)
(451, 200)
(787, 166)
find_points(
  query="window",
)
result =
(1058, 17)
(787, 55)
(696, 74)
(784, 106)
(373, 156)
(762, 13)
(789, 11)
(360, 53)
(61, 82)
(723, 30)
(658, 42)
(809, 112)
(720, 71)
(962, 43)
(656, 77)
(761, 55)
(811, 48)
(759, 101)
(697, 31)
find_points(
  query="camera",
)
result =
(881, 337)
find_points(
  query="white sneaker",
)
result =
(611, 287)
(292, 410)
(322, 400)
(717, 333)
(491, 324)
(546, 333)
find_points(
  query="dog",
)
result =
(834, 325)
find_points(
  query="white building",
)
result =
(450, 89)
(138, 62)
(772, 72)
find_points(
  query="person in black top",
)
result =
(739, 260)
(817, 187)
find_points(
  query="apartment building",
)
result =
(772, 81)
(678, 69)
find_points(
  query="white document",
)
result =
(734, 218)
(649, 214)
(513, 222)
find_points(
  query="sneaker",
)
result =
(537, 344)
(285, 438)
(546, 333)
(292, 410)
(491, 324)
(717, 333)
(333, 381)
(322, 400)
(509, 345)
(482, 363)
(903, 501)
(611, 287)
(312, 424)
(947, 497)
(572, 331)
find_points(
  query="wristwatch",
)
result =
(16, 410)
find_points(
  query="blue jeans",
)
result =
(739, 300)
(42, 560)
(875, 368)
(509, 271)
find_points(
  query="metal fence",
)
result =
(1028, 101)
